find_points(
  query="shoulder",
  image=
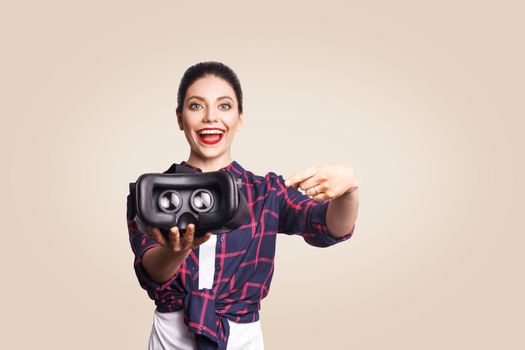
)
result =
(270, 180)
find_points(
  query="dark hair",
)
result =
(203, 69)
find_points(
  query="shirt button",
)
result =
(222, 238)
(217, 268)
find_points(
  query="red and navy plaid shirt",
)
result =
(244, 258)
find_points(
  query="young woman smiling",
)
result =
(224, 314)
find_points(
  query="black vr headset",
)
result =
(178, 197)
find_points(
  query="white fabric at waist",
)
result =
(169, 332)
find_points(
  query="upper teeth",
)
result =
(210, 132)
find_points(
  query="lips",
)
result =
(210, 136)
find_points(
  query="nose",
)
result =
(210, 116)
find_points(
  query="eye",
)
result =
(225, 106)
(195, 106)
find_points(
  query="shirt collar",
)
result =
(233, 168)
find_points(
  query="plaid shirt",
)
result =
(244, 258)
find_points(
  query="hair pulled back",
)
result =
(202, 69)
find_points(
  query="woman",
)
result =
(208, 289)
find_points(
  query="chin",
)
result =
(211, 153)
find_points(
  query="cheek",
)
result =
(232, 120)
(188, 131)
(187, 123)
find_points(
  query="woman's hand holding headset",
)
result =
(177, 245)
(163, 262)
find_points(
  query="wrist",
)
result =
(350, 195)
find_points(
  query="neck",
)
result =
(209, 164)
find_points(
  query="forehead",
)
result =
(210, 87)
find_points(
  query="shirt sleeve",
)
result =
(140, 243)
(299, 214)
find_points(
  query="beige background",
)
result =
(423, 99)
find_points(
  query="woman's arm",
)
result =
(342, 213)
(163, 262)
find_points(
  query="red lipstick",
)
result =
(210, 136)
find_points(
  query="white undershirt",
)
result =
(169, 332)
(207, 262)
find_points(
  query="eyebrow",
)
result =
(202, 98)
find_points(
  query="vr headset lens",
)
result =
(170, 201)
(201, 200)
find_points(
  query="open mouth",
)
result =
(210, 136)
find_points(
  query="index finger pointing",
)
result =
(300, 176)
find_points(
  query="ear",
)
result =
(241, 122)
(179, 120)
